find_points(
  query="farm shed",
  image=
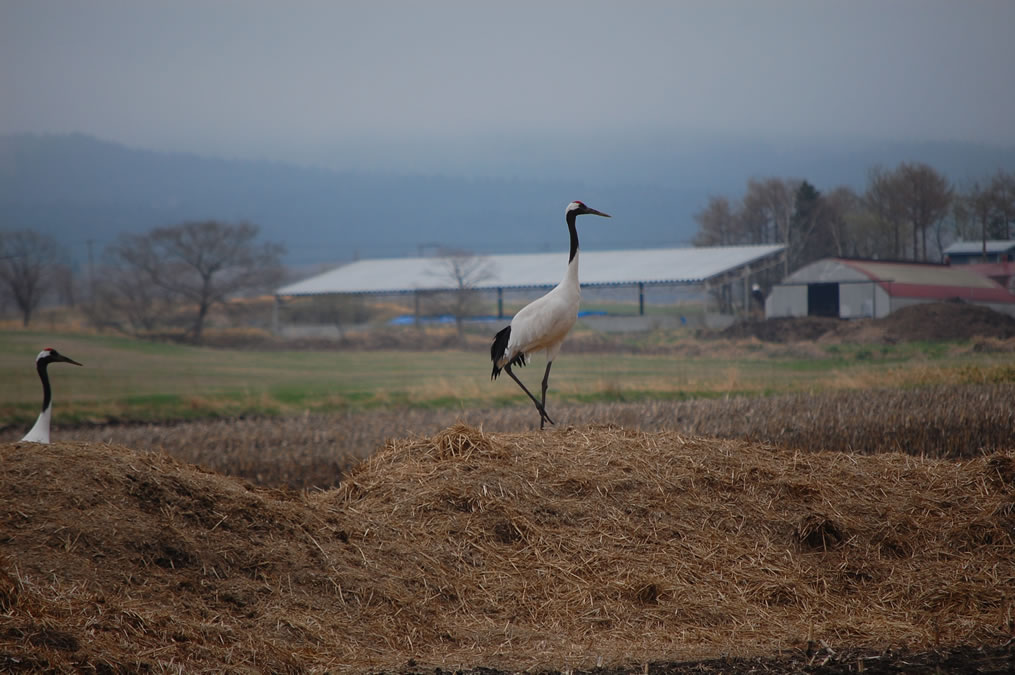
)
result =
(972, 252)
(998, 262)
(726, 270)
(850, 289)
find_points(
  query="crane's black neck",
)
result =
(571, 215)
(47, 393)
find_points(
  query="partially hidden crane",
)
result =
(40, 432)
(542, 325)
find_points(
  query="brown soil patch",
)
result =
(930, 321)
(782, 329)
(575, 548)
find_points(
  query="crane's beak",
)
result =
(65, 359)
(593, 212)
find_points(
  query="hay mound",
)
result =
(566, 549)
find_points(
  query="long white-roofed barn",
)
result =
(726, 271)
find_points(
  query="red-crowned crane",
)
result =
(543, 324)
(40, 432)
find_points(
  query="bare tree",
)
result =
(203, 263)
(124, 296)
(768, 209)
(925, 197)
(883, 199)
(986, 211)
(463, 271)
(981, 205)
(342, 310)
(841, 203)
(28, 266)
(718, 224)
(1002, 188)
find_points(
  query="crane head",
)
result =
(50, 355)
(579, 209)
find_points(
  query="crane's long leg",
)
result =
(546, 379)
(543, 417)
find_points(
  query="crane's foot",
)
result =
(543, 418)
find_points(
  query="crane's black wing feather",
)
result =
(497, 349)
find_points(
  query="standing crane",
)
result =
(40, 432)
(543, 324)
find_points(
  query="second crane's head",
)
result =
(50, 355)
(577, 208)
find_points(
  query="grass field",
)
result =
(130, 380)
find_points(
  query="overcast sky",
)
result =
(273, 79)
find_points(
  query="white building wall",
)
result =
(857, 301)
(863, 301)
(884, 303)
(786, 301)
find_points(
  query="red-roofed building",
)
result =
(850, 288)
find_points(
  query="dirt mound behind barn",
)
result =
(781, 329)
(561, 550)
(929, 321)
(933, 321)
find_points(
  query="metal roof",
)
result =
(905, 280)
(598, 268)
(974, 247)
(930, 275)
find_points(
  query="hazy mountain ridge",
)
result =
(79, 188)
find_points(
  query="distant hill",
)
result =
(79, 188)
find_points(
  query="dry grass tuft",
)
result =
(567, 549)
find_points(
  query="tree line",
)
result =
(911, 212)
(165, 280)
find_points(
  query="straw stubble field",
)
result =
(590, 546)
(315, 450)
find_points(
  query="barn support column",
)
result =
(500, 303)
(641, 298)
(747, 291)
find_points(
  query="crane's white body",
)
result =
(40, 432)
(542, 325)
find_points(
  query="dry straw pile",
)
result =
(566, 549)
